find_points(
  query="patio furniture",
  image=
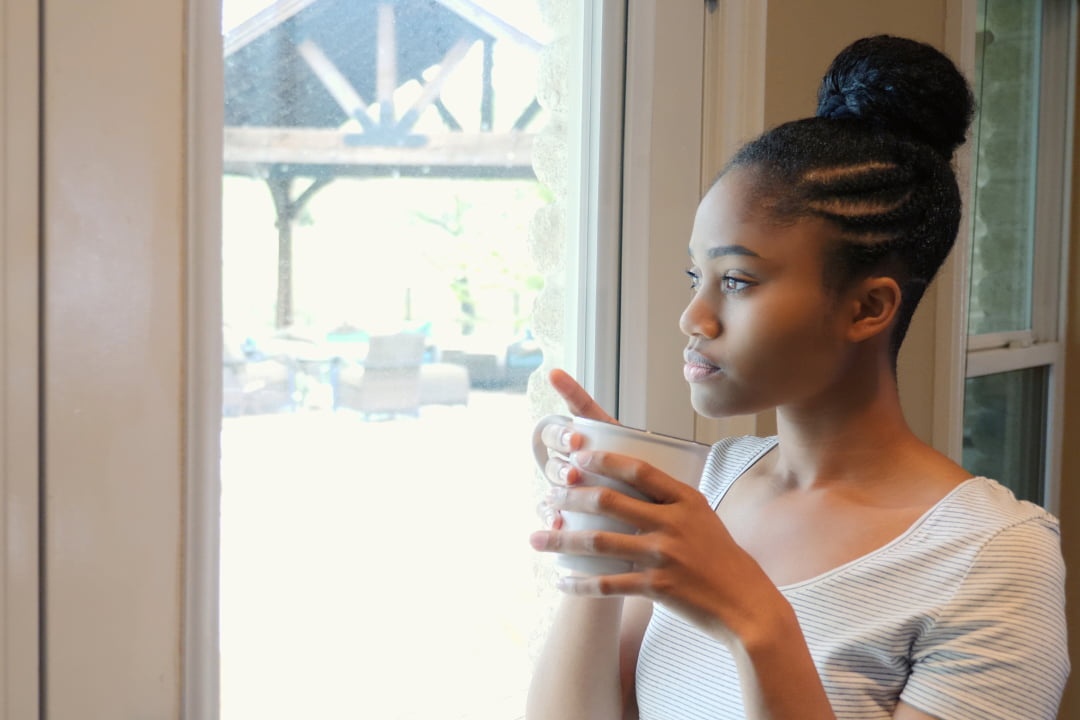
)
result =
(388, 382)
(253, 385)
(444, 383)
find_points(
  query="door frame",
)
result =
(20, 485)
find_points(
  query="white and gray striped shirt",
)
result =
(962, 617)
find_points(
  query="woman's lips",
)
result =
(698, 367)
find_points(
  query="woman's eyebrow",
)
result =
(722, 250)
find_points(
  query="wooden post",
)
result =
(281, 190)
(386, 65)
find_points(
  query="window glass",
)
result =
(1005, 429)
(1005, 128)
(394, 240)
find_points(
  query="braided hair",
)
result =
(876, 163)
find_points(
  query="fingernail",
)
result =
(581, 458)
(555, 496)
(538, 540)
(565, 440)
(564, 474)
(545, 512)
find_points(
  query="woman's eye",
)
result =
(733, 284)
(695, 279)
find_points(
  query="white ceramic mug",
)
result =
(681, 459)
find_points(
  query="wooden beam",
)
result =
(262, 146)
(386, 80)
(263, 22)
(491, 23)
(457, 172)
(433, 88)
(335, 82)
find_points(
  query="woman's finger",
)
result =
(560, 473)
(578, 401)
(600, 500)
(640, 475)
(632, 583)
(560, 438)
(622, 546)
(549, 515)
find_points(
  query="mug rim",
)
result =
(649, 434)
(540, 452)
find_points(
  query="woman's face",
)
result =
(763, 329)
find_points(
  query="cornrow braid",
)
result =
(870, 165)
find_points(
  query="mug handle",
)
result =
(540, 450)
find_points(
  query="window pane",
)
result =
(397, 180)
(1003, 218)
(1005, 429)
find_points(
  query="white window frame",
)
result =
(662, 141)
(595, 199)
(1041, 346)
(201, 671)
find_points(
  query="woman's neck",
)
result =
(853, 430)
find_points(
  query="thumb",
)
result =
(578, 401)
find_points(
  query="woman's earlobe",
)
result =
(875, 307)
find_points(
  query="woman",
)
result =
(844, 568)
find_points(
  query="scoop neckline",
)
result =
(898, 540)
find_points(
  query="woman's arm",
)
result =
(577, 675)
(776, 672)
(580, 673)
(587, 667)
(687, 560)
(589, 662)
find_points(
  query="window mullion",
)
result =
(994, 341)
(999, 360)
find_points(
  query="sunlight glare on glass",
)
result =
(377, 486)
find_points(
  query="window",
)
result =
(1014, 355)
(409, 235)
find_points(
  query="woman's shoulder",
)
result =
(988, 504)
(728, 459)
(982, 517)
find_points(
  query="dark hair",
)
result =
(876, 162)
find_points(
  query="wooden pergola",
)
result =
(310, 91)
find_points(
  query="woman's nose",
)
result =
(700, 318)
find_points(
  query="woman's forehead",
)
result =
(734, 213)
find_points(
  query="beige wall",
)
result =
(114, 239)
(1070, 461)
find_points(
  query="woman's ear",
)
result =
(875, 302)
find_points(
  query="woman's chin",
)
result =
(711, 403)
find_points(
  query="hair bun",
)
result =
(903, 86)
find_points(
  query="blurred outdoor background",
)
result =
(379, 284)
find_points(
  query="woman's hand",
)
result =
(578, 402)
(561, 441)
(684, 556)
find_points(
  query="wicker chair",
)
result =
(388, 382)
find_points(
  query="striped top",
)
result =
(962, 616)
